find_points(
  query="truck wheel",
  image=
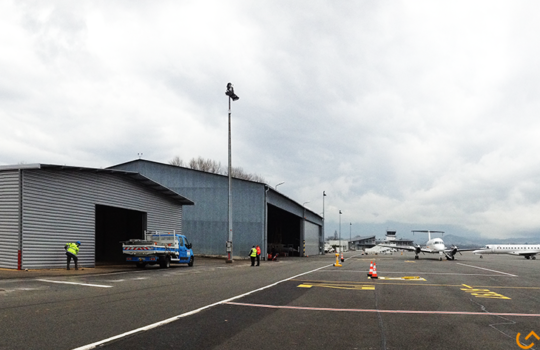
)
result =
(165, 262)
(190, 263)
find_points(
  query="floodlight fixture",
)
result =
(230, 92)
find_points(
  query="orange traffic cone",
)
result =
(374, 274)
(370, 269)
(342, 260)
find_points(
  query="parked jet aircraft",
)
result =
(526, 250)
(433, 246)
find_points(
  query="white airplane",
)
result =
(380, 249)
(433, 246)
(526, 250)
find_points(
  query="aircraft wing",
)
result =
(460, 250)
(426, 250)
(419, 249)
(410, 248)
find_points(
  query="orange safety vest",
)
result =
(258, 250)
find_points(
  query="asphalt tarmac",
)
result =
(297, 303)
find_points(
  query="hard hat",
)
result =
(78, 243)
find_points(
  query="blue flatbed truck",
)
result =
(161, 248)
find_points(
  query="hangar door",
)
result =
(311, 236)
(114, 225)
(284, 232)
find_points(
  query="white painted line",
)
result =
(112, 273)
(172, 319)
(414, 273)
(79, 284)
(481, 268)
(386, 311)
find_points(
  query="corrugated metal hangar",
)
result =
(42, 207)
(260, 214)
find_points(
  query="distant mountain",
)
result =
(465, 242)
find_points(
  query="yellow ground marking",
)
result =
(483, 293)
(406, 278)
(338, 286)
(410, 261)
(417, 284)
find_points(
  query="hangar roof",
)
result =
(277, 198)
(133, 175)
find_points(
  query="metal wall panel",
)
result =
(287, 204)
(314, 218)
(311, 237)
(206, 222)
(59, 207)
(282, 202)
(9, 218)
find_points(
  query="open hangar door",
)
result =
(284, 231)
(114, 225)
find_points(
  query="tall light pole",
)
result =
(340, 250)
(323, 195)
(281, 183)
(229, 246)
(350, 234)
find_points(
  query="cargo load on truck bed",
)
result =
(159, 247)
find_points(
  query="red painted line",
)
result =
(386, 311)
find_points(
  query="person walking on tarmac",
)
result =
(258, 255)
(253, 255)
(72, 249)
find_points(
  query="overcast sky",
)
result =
(410, 115)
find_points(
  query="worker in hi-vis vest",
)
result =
(72, 249)
(258, 255)
(253, 255)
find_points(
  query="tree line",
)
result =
(211, 166)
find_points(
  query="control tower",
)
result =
(390, 236)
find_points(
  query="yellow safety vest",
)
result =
(72, 248)
(253, 252)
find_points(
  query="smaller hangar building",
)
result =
(42, 207)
